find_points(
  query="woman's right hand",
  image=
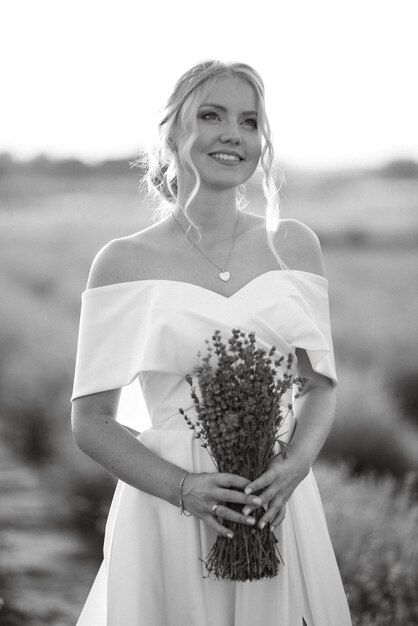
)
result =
(202, 491)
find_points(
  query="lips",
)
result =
(226, 157)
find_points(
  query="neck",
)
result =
(214, 214)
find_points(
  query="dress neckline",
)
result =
(167, 281)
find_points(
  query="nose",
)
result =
(232, 134)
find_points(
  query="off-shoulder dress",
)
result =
(151, 575)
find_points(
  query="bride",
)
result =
(151, 300)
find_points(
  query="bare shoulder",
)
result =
(299, 247)
(108, 264)
(124, 259)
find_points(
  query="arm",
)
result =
(110, 444)
(116, 449)
(315, 413)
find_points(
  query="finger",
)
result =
(229, 495)
(276, 509)
(231, 480)
(217, 513)
(268, 494)
(217, 526)
(279, 518)
(261, 482)
(248, 509)
(234, 516)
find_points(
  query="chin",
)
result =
(226, 179)
(222, 184)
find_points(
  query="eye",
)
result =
(252, 121)
(210, 115)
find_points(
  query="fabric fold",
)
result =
(159, 325)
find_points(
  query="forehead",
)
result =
(232, 91)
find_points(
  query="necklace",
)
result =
(223, 274)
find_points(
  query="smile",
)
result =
(225, 158)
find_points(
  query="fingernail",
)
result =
(256, 500)
(247, 490)
(250, 520)
(261, 525)
(230, 535)
(247, 510)
(272, 528)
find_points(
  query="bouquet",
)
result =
(238, 414)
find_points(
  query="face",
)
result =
(228, 147)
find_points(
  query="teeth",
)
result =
(225, 157)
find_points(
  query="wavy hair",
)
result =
(159, 164)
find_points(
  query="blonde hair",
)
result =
(159, 163)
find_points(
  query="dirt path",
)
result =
(45, 567)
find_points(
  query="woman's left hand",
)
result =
(277, 485)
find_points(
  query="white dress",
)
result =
(151, 574)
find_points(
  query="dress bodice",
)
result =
(153, 329)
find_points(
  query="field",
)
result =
(53, 219)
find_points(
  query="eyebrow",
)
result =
(220, 107)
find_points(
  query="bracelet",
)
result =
(182, 509)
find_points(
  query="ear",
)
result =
(172, 144)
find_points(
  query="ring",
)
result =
(215, 506)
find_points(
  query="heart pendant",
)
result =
(224, 276)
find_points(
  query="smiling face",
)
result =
(227, 148)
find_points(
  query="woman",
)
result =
(151, 300)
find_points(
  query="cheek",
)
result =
(200, 145)
(258, 146)
(256, 151)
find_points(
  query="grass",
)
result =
(372, 522)
(369, 431)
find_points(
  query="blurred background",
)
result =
(82, 86)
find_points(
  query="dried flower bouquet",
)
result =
(239, 410)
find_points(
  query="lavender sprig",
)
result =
(239, 411)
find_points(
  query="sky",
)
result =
(88, 78)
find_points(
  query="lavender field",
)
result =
(53, 500)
